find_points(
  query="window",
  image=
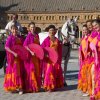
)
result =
(37, 18)
(46, 17)
(59, 17)
(26, 17)
(65, 17)
(34, 17)
(52, 17)
(40, 17)
(91, 16)
(88, 17)
(49, 17)
(85, 17)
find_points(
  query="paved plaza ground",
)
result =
(66, 93)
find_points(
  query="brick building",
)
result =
(45, 12)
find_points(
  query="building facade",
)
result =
(58, 19)
(45, 12)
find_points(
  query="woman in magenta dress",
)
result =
(85, 82)
(32, 65)
(13, 79)
(86, 61)
(95, 69)
(53, 77)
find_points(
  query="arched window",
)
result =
(40, 17)
(49, 17)
(63, 17)
(34, 18)
(46, 17)
(59, 17)
(91, 17)
(37, 18)
(85, 17)
(52, 17)
(26, 17)
(88, 16)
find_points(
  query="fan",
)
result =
(21, 51)
(37, 49)
(52, 54)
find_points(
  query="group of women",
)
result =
(89, 58)
(33, 73)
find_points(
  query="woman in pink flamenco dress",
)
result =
(95, 69)
(84, 61)
(53, 77)
(13, 79)
(32, 65)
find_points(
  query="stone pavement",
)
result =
(66, 93)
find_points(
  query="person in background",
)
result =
(14, 21)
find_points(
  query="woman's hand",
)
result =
(32, 53)
(15, 54)
(12, 52)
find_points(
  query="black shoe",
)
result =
(65, 84)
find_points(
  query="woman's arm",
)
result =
(12, 52)
(27, 48)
